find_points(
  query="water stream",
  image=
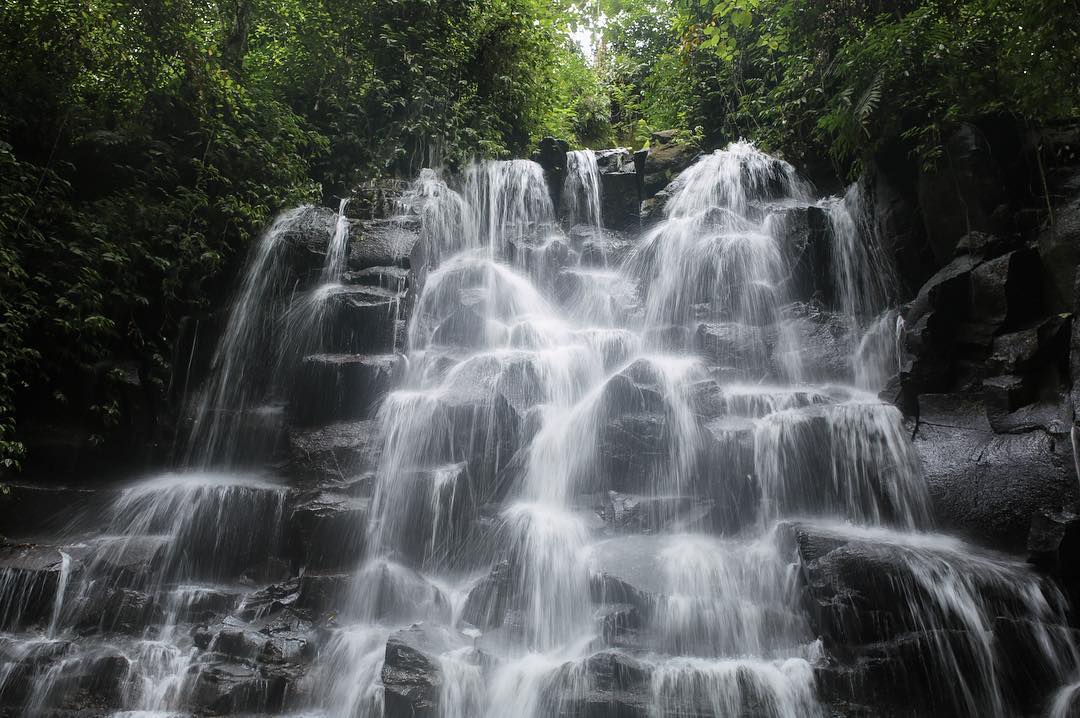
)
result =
(604, 481)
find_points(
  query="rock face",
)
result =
(969, 178)
(1059, 245)
(620, 189)
(666, 158)
(988, 351)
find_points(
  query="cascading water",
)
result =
(601, 485)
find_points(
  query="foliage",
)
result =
(848, 77)
(142, 144)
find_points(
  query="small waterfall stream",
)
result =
(605, 483)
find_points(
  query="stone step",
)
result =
(337, 387)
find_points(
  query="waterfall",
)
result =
(656, 486)
(581, 189)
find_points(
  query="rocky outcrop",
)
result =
(620, 189)
(666, 158)
(986, 377)
(551, 155)
(966, 193)
(1059, 245)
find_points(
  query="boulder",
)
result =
(988, 485)
(608, 684)
(665, 160)
(228, 687)
(490, 598)
(551, 155)
(325, 592)
(328, 530)
(412, 674)
(334, 387)
(633, 513)
(1001, 290)
(803, 235)
(362, 318)
(739, 346)
(306, 239)
(814, 342)
(29, 577)
(127, 611)
(620, 193)
(336, 453)
(382, 242)
(600, 247)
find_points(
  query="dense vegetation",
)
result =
(143, 143)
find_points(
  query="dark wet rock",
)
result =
(230, 687)
(411, 674)
(392, 279)
(968, 177)
(985, 484)
(485, 431)
(28, 508)
(29, 576)
(237, 640)
(665, 160)
(541, 251)
(1053, 546)
(127, 611)
(730, 479)
(803, 234)
(608, 684)
(814, 339)
(1013, 405)
(901, 229)
(332, 387)
(948, 290)
(1045, 343)
(1001, 289)
(411, 680)
(633, 451)
(307, 238)
(648, 514)
(896, 679)
(382, 243)
(1059, 247)
(608, 589)
(338, 452)
(489, 599)
(551, 155)
(621, 626)
(436, 509)
(637, 388)
(599, 246)
(620, 193)
(324, 592)
(985, 246)
(735, 345)
(328, 530)
(269, 600)
(653, 209)
(362, 318)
